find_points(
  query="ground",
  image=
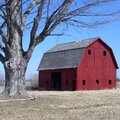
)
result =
(51, 105)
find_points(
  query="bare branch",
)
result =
(25, 2)
(3, 24)
(29, 23)
(36, 21)
(48, 6)
(29, 9)
(2, 58)
(4, 37)
(2, 14)
(84, 24)
(54, 20)
(56, 34)
(81, 10)
(34, 29)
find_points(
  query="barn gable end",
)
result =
(109, 49)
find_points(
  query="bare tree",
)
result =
(42, 17)
(2, 79)
(34, 81)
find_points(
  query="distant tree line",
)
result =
(118, 79)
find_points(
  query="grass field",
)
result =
(51, 105)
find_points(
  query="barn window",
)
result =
(47, 82)
(104, 53)
(89, 52)
(84, 82)
(110, 82)
(97, 82)
(66, 82)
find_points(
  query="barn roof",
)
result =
(67, 55)
(72, 45)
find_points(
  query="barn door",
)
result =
(56, 81)
(74, 85)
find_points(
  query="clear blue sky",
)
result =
(109, 33)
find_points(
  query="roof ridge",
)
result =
(72, 45)
(65, 50)
(66, 43)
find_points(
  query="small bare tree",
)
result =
(34, 81)
(42, 17)
(2, 79)
(118, 79)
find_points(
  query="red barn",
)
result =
(84, 65)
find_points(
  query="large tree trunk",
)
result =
(15, 76)
(15, 64)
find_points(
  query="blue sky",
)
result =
(109, 33)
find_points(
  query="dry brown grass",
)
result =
(50, 105)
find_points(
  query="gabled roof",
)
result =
(67, 55)
(61, 59)
(72, 45)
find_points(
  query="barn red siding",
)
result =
(67, 77)
(97, 68)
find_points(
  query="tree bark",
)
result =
(15, 67)
(15, 64)
(15, 70)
